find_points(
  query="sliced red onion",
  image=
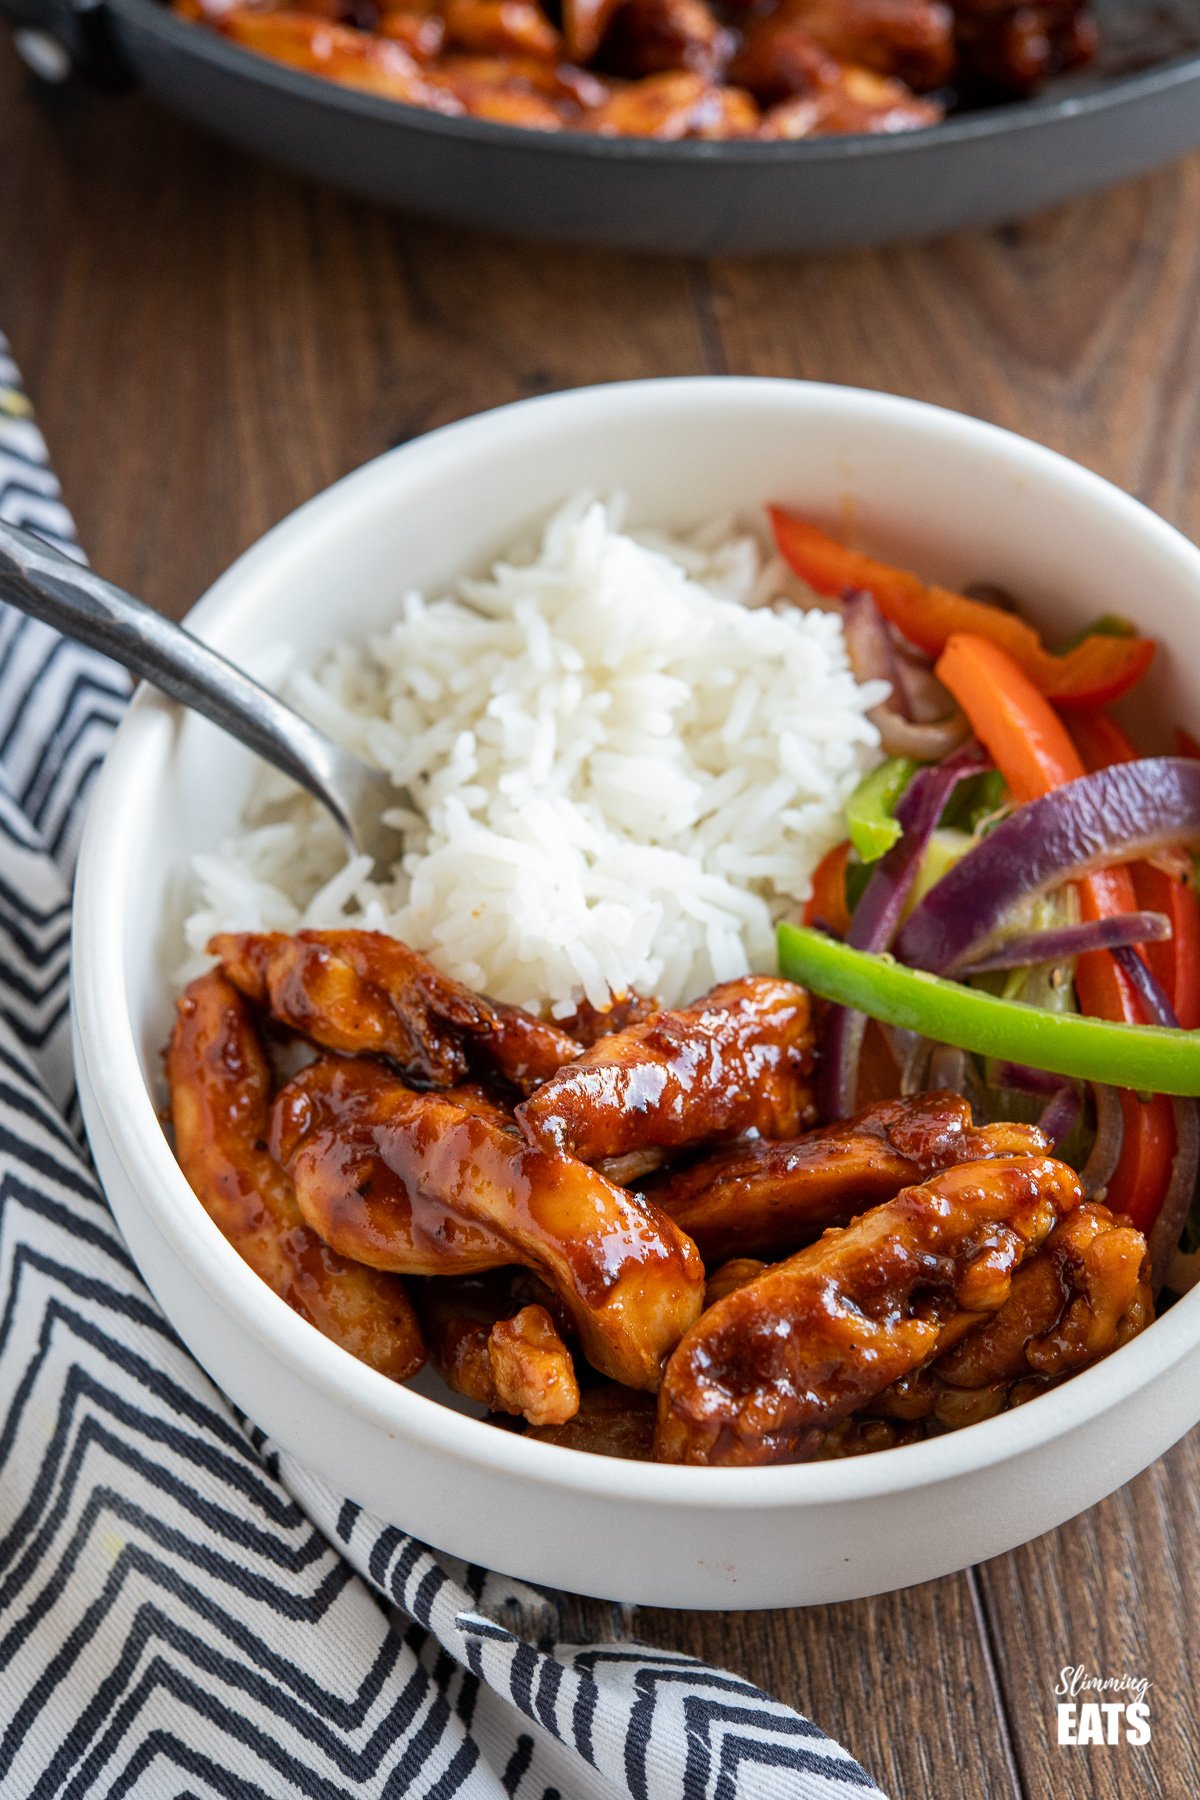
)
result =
(924, 743)
(878, 913)
(1159, 1010)
(844, 1033)
(899, 1042)
(1065, 943)
(870, 648)
(914, 1071)
(1061, 1116)
(903, 730)
(1116, 814)
(949, 1068)
(1108, 1142)
(1167, 1229)
(956, 1071)
(1025, 1080)
(1064, 1103)
(918, 814)
(927, 700)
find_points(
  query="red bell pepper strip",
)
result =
(1100, 741)
(1019, 729)
(1095, 671)
(826, 906)
(1030, 746)
(1174, 963)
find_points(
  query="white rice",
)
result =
(627, 765)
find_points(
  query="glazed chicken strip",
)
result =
(768, 1370)
(912, 40)
(220, 1097)
(520, 90)
(830, 99)
(677, 103)
(532, 1371)
(588, 1023)
(651, 37)
(356, 59)
(500, 27)
(764, 1195)
(363, 992)
(414, 1183)
(737, 1060)
(1084, 1294)
(509, 1358)
(585, 23)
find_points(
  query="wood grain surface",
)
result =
(209, 342)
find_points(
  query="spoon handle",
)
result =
(49, 586)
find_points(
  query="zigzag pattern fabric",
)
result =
(184, 1611)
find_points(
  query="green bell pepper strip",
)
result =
(978, 799)
(869, 822)
(1148, 1058)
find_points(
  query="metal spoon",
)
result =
(47, 585)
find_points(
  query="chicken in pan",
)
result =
(672, 68)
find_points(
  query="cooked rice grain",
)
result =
(627, 764)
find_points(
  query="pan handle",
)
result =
(58, 39)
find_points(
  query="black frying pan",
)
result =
(1138, 109)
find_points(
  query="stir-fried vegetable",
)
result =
(1147, 1057)
(1181, 1191)
(1055, 885)
(1031, 747)
(826, 905)
(1175, 963)
(1113, 815)
(1093, 672)
(1061, 1115)
(1167, 977)
(1025, 737)
(918, 720)
(871, 807)
(880, 907)
(1064, 943)
(1101, 742)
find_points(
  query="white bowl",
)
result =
(958, 498)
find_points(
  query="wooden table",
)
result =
(209, 343)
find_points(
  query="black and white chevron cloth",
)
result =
(184, 1611)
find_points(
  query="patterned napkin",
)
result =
(184, 1610)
